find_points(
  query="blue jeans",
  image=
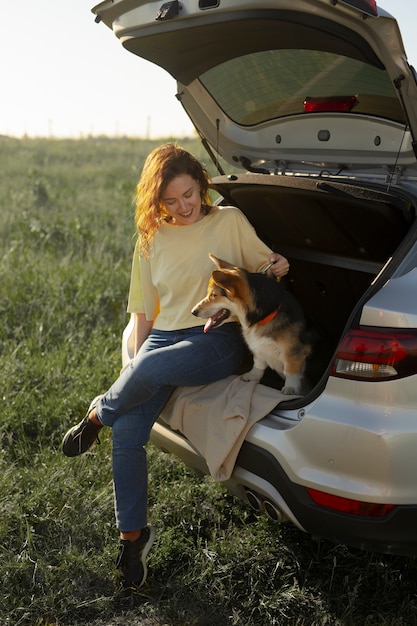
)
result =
(166, 360)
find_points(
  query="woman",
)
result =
(177, 228)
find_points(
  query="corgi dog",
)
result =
(272, 321)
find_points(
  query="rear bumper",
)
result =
(393, 534)
(259, 472)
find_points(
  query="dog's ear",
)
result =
(225, 280)
(220, 263)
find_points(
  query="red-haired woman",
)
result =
(177, 228)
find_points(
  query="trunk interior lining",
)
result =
(336, 244)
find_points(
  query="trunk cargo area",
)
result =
(337, 236)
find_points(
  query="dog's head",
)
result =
(227, 291)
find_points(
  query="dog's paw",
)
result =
(291, 391)
(254, 374)
(292, 385)
(248, 377)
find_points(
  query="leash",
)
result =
(264, 268)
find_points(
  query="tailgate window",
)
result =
(275, 83)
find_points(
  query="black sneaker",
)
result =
(131, 559)
(81, 437)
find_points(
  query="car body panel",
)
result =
(370, 452)
(394, 305)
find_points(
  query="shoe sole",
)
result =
(69, 432)
(145, 551)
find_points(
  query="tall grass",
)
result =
(65, 249)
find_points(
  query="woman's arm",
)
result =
(142, 329)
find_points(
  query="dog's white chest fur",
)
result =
(266, 351)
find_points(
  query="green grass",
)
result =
(66, 220)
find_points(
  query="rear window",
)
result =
(274, 83)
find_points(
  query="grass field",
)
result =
(66, 244)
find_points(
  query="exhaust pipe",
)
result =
(255, 501)
(260, 505)
(272, 511)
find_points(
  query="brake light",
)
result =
(330, 104)
(366, 6)
(346, 505)
(375, 354)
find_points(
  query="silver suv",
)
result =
(316, 103)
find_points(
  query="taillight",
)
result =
(375, 354)
(366, 6)
(346, 505)
(329, 104)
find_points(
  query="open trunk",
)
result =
(343, 241)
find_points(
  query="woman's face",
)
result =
(182, 200)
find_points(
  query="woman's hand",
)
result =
(280, 265)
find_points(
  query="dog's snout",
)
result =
(194, 312)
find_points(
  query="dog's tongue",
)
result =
(216, 319)
(210, 322)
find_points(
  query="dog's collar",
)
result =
(269, 317)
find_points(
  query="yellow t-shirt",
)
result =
(167, 285)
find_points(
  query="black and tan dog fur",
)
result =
(272, 321)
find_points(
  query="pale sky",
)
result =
(63, 75)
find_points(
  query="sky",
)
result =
(63, 75)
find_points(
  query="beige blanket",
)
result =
(215, 418)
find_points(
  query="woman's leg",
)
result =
(175, 359)
(203, 364)
(131, 407)
(130, 475)
(215, 360)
